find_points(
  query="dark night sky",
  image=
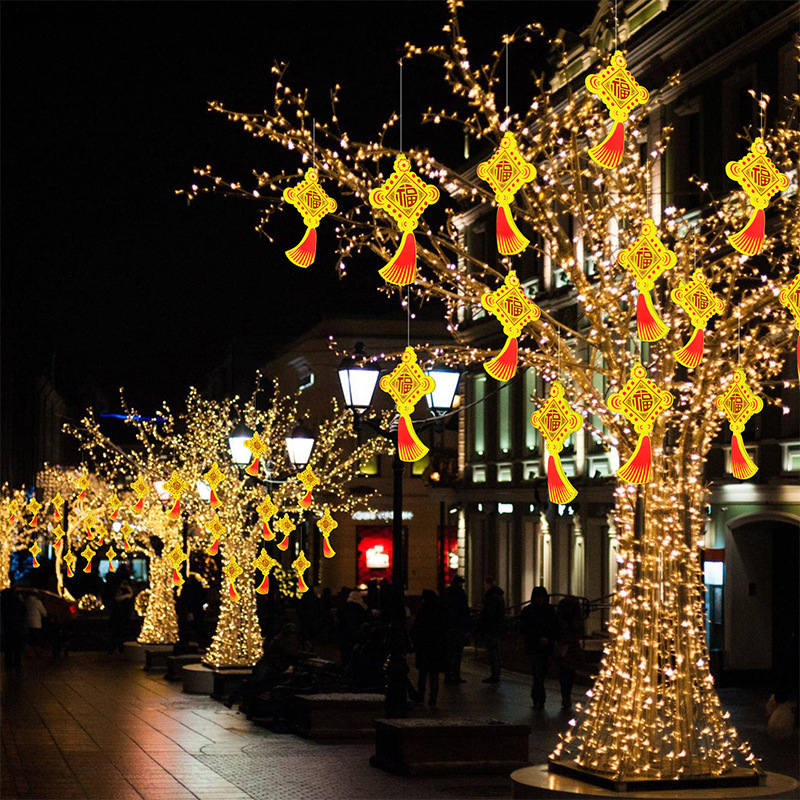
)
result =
(109, 278)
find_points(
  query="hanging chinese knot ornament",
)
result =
(646, 259)
(267, 510)
(760, 179)
(300, 565)
(69, 560)
(232, 572)
(618, 89)
(141, 487)
(327, 525)
(35, 550)
(176, 486)
(700, 303)
(264, 563)
(83, 485)
(111, 554)
(310, 199)
(58, 503)
(512, 308)
(216, 529)
(738, 404)
(404, 196)
(114, 503)
(59, 533)
(34, 507)
(506, 172)
(309, 481)
(556, 420)
(790, 297)
(126, 531)
(257, 447)
(639, 401)
(407, 384)
(285, 526)
(214, 478)
(176, 558)
(88, 554)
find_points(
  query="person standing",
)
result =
(353, 615)
(569, 652)
(492, 622)
(539, 628)
(36, 612)
(428, 637)
(458, 619)
(121, 607)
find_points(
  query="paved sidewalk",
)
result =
(93, 726)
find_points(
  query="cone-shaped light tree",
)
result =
(12, 529)
(653, 710)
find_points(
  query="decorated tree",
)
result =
(13, 534)
(620, 367)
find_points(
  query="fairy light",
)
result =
(14, 533)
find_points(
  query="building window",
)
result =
(306, 382)
(531, 432)
(791, 457)
(569, 467)
(578, 562)
(504, 473)
(372, 466)
(544, 559)
(478, 423)
(613, 564)
(599, 466)
(479, 473)
(530, 470)
(504, 418)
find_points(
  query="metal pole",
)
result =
(397, 666)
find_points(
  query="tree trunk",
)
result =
(160, 624)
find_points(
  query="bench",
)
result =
(336, 715)
(226, 681)
(175, 665)
(155, 656)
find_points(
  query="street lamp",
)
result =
(358, 381)
(299, 446)
(440, 400)
(236, 438)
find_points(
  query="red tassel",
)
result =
(58, 544)
(303, 255)
(267, 534)
(253, 468)
(126, 543)
(234, 595)
(215, 501)
(503, 366)
(306, 501)
(175, 512)
(213, 549)
(176, 578)
(57, 515)
(264, 586)
(409, 447)
(111, 567)
(750, 239)
(637, 467)
(301, 584)
(692, 354)
(88, 567)
(509, 239)
(608, 153)
(285, 543)
(34, 521)
(402, 269)
(140, 505)
(35, 562)
(82, 494)
(558, 486)
(742, 466)
(798, 355)
(327, 550)
(70, 573)
(649, 325)
(114, 515)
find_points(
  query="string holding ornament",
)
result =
(790, 297)
(640, 401)
(327, 525)
(506, 172)
(557, 421)
(405, 196)
(514, 310)
(760, 179)
(407, 384)
(738, 404)
(700, 303)
(313, 203)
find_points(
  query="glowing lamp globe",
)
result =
(299, 446)
(441, 399)
(358, 381)
(236, 438)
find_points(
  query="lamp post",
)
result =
(299, 446)
(358, 381)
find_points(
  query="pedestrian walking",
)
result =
(492, 622)
(351, 617)
(568, 646)
(457, 615)
(34, 616)
(539, 628)
(428, 637)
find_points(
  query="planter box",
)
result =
(226, 680)
(197, 679)
(155, 656)
(449, 746)
(175, 665)
(336, 715)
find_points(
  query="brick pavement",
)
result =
(98, 727)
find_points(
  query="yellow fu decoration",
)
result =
(313, 203)
(309, 481)
(111, 554)
(34, 507)
(59, 533)
(506, 172)
(69, 560)
(232, 572)
(90, 523)
(404, 197)
(285, 526)
(407, 384)
(126, 531)
(738, 404)
(327, 525)
(101, 532)
(82, 484)
(216, 529)
(176, 557)
(700, 303)
(267, 510)
(556, 420)
(88, 554)
(214, 478)
(257, 447)
(300, 565)
(646, 259)
(176, 486)
(114, 503)
(790, 297)
(58, 503)
(640, 401)
(264, 563)
(758, 176)
(514, 310)
(142, 488)
(35, 550)
(618, 89)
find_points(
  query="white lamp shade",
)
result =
(358, 385)
(239, 453)
(299, 446)
(440, 400)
